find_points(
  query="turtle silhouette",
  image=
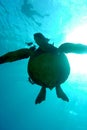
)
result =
(48, 66)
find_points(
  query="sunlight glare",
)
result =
(78, 62)
(78, 34)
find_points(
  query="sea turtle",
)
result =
(48, 66)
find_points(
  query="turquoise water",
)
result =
(61, 21)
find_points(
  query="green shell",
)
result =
(49, 69)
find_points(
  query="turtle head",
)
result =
(40, 38)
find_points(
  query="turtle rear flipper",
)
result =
(61, 94)
(41, 96)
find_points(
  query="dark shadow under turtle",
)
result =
(48, 66)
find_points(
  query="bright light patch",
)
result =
(78, 34)
(78, 62)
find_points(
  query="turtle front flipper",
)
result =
(41, 96)
(17, 55)
(61, 94)
(73, 48)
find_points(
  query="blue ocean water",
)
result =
(61, 21)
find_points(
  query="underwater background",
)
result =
(61, 21)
